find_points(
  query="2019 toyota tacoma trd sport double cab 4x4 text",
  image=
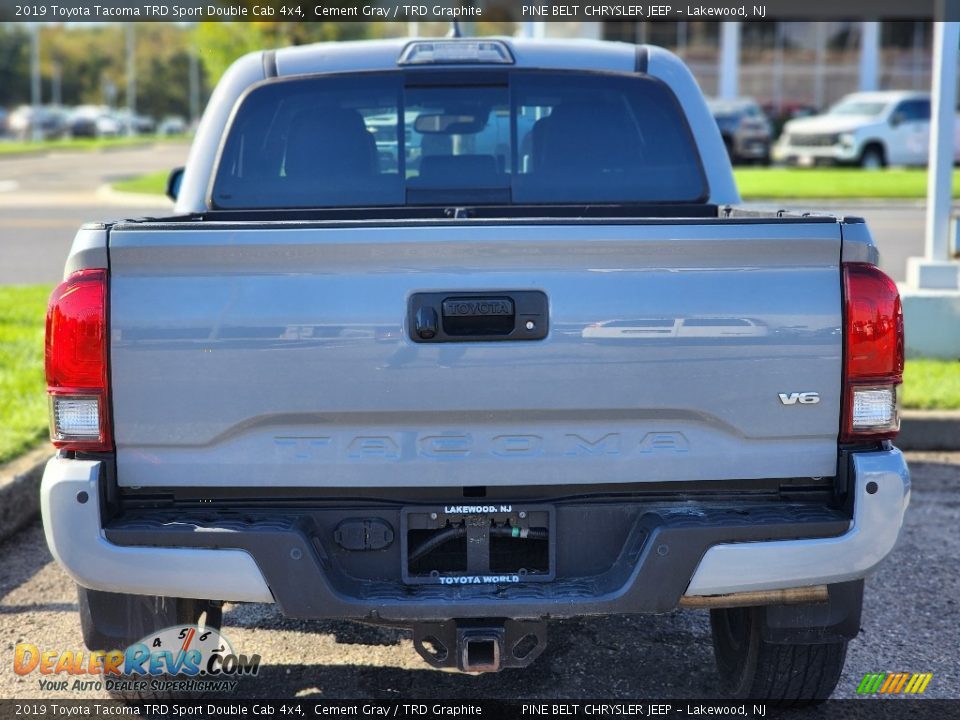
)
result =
(467, 335)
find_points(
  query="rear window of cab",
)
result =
(513, 137)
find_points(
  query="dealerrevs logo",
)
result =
(894, 683)
(183, 658)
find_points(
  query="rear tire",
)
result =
(114, 621)
(783, 674)
(873, 158)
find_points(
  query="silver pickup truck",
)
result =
(467, 335)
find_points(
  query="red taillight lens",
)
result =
(874, 323)
(76, 362)
(873, 351)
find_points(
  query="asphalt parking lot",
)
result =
(911, 624)
(45, 198)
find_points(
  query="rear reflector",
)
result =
(873, 352)
(76, 362)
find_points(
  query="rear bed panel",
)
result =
(277, 355)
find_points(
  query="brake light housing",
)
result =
(873, 354)
(75, 356)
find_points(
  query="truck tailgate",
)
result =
(277, 354)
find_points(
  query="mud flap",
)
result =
(836, 619)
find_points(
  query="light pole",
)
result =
(778, 43)
(56, 90)
(869, 55)
(35, 89)
(931, 295)
(821, 48)
(194, 84)
(131, 75)
(728, 86)
(933, 270)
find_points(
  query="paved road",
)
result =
(898, 229)
(44, 199)
(899, 233)
(911, 623)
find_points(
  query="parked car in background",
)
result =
(4, 116)
(46, 122)
(82, 122)
(780, 113)
(132, 123)
(869, 129)
(172, 125)
(93, 121)
(745, 129)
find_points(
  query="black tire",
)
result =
(784, 674)
(873, 157)
(114, 621)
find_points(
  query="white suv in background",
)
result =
(870, 129)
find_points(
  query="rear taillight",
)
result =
(873, 352)
(76, 362)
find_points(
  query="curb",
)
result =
(20, 490)
(929, 430)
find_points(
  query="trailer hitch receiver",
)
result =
(480, 645)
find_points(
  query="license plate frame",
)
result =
(483, 562)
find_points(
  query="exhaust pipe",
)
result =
(790, 596)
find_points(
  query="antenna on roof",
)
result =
(455, 31)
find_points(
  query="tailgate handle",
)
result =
(472, 317)
(480, 315)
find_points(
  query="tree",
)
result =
(90, 61)
(223, 42)
(15, 61)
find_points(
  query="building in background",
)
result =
(787, 65)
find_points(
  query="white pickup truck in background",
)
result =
(869, 129)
